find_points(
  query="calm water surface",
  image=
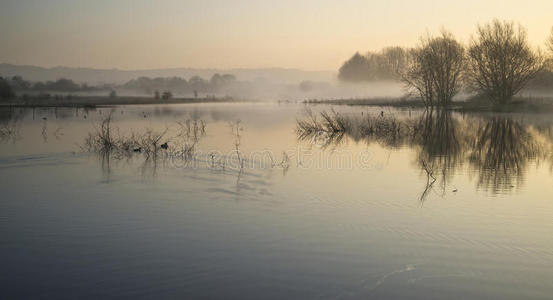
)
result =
(259, 211)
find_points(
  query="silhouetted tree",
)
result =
(218, 81)
(550, 47)
(395, 60)
(435, 69)
(355, 69)
(5, 89)
(18, 83)
(418, 77)
(64, 85)
(39, 86)
(384, 65)
(501, 61)
(197, 81)
(181, 85)
(550, 42)
(166, 95)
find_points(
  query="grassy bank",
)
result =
(519, 104)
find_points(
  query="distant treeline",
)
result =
(6, 90)
(151, 86)
(17, 83)
(392, 63)
(145, 84)
(373, 66)
(194, 84)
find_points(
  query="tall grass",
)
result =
(333, 126)
(107, 139)
(9, 130)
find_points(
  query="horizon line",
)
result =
(163, 68)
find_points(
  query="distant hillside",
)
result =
(99, 76)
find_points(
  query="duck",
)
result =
(164, 146)
(139, 149)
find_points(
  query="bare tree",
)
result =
(501, 61)
(355, 69)
(166, 95)
(549, 61)
(395, 59)
(550, 42)
(434, 69)
(418, 78)
(6, 90)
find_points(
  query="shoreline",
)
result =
(100, 101)
(519, 104)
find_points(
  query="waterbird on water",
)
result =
(139, 149)
(164, 146)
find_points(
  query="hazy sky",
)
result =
(305, 34)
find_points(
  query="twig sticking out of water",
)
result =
(9, 130)
(106, 139)
(189, 134)
(101, 139)
(430, 180)
(236, 128)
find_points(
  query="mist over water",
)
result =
(253, 84)
(310, 90)
(276, 149)
(259, 210)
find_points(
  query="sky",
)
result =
(303, 34)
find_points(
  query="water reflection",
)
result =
(501, 151)
(437, 136)
(10, 125)
(497, 148)
(356, 226)
(152, 145)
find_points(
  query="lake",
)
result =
(244, 204)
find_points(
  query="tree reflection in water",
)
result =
(501, 151)
(436, 134)
(498, 149)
